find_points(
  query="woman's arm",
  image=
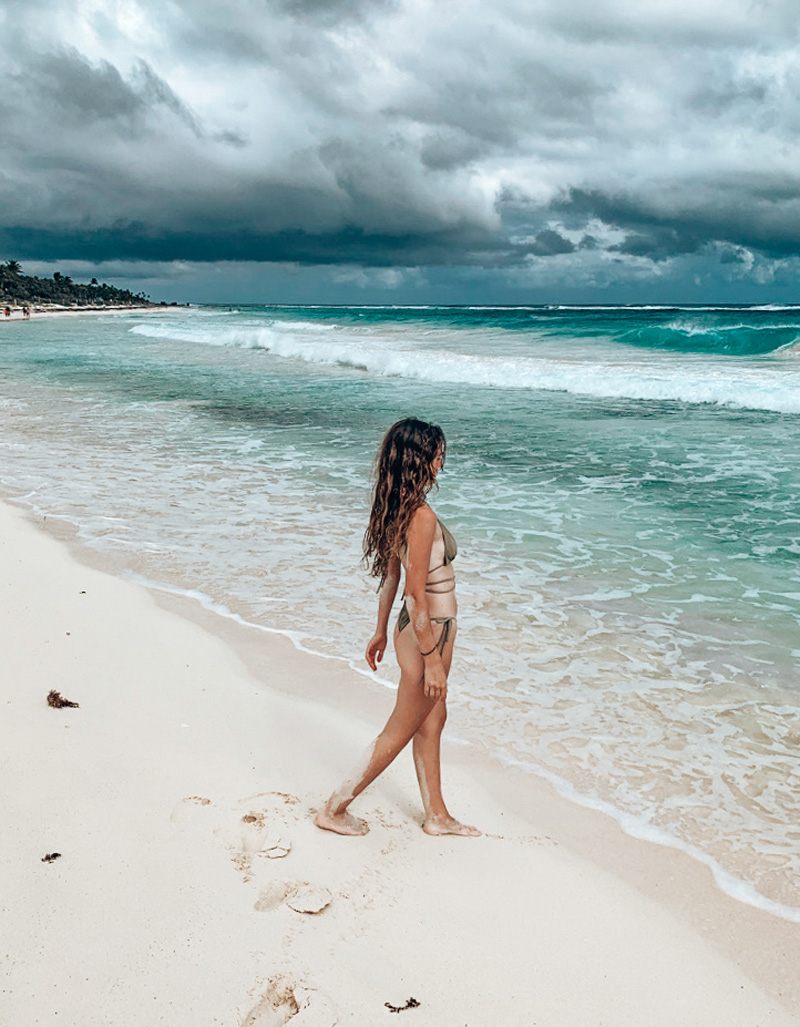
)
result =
(419, 543)
(376, 646)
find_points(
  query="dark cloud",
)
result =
(348, 246)
(548, 243)
(77, 94)
(383, 134)
(449, 147)
(732, 255)
(762, 215)
(658, 242)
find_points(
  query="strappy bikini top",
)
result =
(450, 552)
(437, 588)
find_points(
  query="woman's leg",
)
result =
(411, 709)
(414, 716)
(427, 761)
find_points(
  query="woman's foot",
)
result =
(449, 825)
(340, 823)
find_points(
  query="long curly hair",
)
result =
(403, 475)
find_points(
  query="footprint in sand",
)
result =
(286, 1002)
(274, 808)
(184, 809)
(300, 896)
(311, 899)
(255, 827)
(249, 834)
(275, 894)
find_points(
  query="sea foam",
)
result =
(773, 387)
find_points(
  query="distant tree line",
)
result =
(17, 289)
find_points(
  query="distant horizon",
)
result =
(167, 289)
(80, 270)
(502, 306)
(230, 282)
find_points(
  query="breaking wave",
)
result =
(611, 373)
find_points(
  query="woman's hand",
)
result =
(376, 647)
(434, 682)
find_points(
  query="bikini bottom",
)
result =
(404, 620)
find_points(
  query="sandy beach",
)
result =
(38, 312)
(191, 887)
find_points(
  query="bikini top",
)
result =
(443, 585)
(438, 588)
(450, 547)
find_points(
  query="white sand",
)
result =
(38, 312)
(149, 916)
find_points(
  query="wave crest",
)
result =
(691, 335)
(402, 354)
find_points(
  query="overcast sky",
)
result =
(405, 150)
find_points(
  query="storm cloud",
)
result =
(535, 138)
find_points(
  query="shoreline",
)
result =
(246, 638)
(630, 909)
(39, 312)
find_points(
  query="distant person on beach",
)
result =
(404, 533)
(26, 312)
(8, 311)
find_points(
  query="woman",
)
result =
(404, 532)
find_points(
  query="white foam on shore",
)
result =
(638, 827)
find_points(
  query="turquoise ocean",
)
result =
(623, 482)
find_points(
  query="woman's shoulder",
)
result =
(424, 516)
(423, 521)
